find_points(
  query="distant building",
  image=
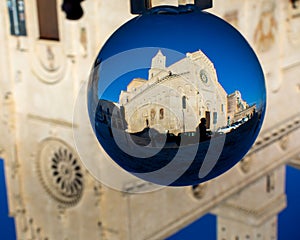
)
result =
(110, 113)
(238, 108)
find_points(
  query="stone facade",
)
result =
(238, 108)
(110, 114)
(176, 97)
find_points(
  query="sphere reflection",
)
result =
(176, 99)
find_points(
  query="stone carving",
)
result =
(83, 41)
(23, 221)
(232, 18)
(50, 58)
(48, 63)
(245, 164)
(265, 32)
(293, 24)
(199, 190)
(283, 143)
(35, 232)
(60, 171)
(279, 133)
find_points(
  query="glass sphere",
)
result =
(176, 96)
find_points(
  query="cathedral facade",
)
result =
(176, 97)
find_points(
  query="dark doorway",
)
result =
(207, 116)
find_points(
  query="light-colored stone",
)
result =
(172, 93)
(39, 83)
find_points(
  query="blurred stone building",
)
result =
(52, 195)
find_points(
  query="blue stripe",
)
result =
(7, 224)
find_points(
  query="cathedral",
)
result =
(178, 96)
(52, 195)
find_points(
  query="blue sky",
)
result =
(204, 228)
(7, 228)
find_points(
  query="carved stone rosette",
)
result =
(60, 171)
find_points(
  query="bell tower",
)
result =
(158, 63)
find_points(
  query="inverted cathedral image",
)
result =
(180, 105)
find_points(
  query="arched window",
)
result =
(161, 114)
(184, 102)
(16, 10)
(48, 10)
(152, 114)
(215, 117)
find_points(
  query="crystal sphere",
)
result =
(176, 96)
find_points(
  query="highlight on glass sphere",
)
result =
(176, 96)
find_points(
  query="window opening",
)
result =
(48, 21)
